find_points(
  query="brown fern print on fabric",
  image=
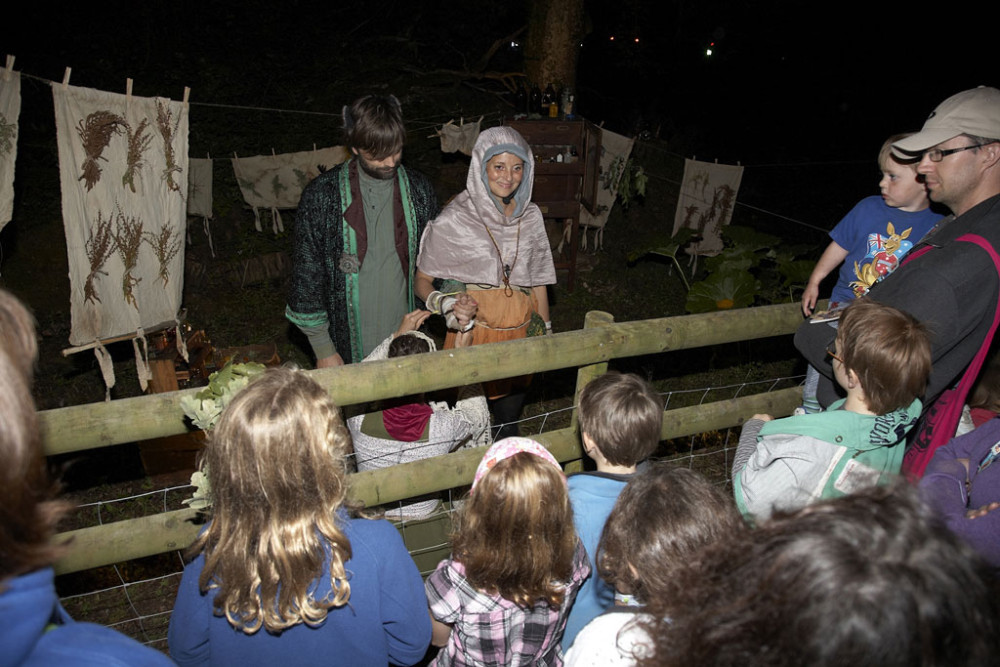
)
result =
(138, 142)
(167, 126)
(165, 245)
(128, 240)
(95, 134)
(99, 246)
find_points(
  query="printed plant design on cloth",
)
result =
(138, 142)
(165, 245)
(8, 134)
(128, 240)
(95, 134)
(125, 235)
(249, 186)
(707, 221)
(277, 186)
(99, 246)
(167, 126)
(302, 178)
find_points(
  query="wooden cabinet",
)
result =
(567, 164)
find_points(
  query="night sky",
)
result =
(786, 78)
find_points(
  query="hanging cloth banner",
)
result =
(460, 137)
(615, 152)
(199, 197)
(707, 198)
(276, 181)
(199, 200)
(10, 110)
(123, 164)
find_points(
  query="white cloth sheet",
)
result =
(123, 163)
(10, 110)
(615, 152)
(459, 138)
(199, 201)
(707, 198)
(276, 182)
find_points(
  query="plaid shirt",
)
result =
(489, 631)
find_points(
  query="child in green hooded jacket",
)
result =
(882, 359)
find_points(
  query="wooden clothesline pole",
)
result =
(117, 339)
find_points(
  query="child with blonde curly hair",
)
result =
(283, 574)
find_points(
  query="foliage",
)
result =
(734, 274)
(201, 499)
(666, 248)
(723, 290)
(631, 183)
(796, 271)
(204, 407)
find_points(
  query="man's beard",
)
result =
(381, 173)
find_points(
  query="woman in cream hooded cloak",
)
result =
(492, 243)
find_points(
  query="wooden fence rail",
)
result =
(126, 420)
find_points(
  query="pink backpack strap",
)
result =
(942, 418)
(920, 252)
(977, 361)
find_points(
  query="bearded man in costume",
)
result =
(357, 232)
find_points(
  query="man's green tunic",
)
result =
(331, 245)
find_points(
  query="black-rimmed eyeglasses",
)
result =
(936, 154)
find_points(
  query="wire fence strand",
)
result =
(141, 608)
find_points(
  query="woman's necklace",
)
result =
(507, 268)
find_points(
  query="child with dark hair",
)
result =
(663, 517)
(620, 421)
(283, 573)
(411, 427)
(516, 564)
(36, 628)
(867, 579)
(882, 357)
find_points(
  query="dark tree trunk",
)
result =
(555, 28)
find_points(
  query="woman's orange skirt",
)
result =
(500, 317)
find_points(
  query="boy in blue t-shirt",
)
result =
(869, 243)
(620, 422)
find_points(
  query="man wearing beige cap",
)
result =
(951, 286)
(958, 150)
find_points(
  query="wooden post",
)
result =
(594, 318)
(171, 453)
